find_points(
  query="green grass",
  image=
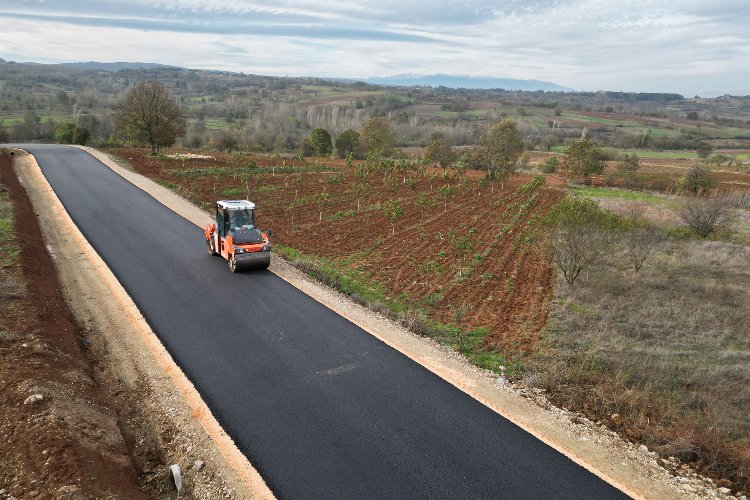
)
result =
(9, 252)
(454, 114)
(9, 121)
(645, 153)
(232, 192)
(650, 153)
(620, 194)
(216, 124)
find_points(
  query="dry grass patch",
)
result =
(662, 355)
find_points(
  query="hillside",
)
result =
(273, 114)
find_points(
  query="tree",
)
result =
(3, 134)
(462, 246)
(501, 148)
(692, 115)
(321, 142)
(377, 136)
(704, 150)
(70, 133)
(440, 152)
(583, 157)
(697, 179)
(641, 241)
(393, 212)
(422, 203)
(447, 192)
(321, 201)
(361, 190)
(580, 235)
(629, 163)
(347, 143)
(148, 114)
(306, 148)
(550, 141)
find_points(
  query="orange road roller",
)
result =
(235, 236)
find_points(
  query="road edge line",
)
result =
(252, 479)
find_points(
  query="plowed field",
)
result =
(471, 261)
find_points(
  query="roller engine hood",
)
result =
(243, 236)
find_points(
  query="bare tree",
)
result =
(149, 114)
(579, 236)
(708, 215)
(576, 246)
(641, 242)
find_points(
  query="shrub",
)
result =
(580, 235)
(697, 179)
(70, 133)
(706, 217)
(629, 163)
(641, 241)
(585, 158)
(320, 140)
(550, 164)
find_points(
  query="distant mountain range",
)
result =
(466, 82)
(114, 66)
(405, 80)
(97, 66)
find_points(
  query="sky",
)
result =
(693, 47)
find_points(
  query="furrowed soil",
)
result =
(69, 443)
(469, 260)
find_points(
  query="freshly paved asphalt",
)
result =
(320, 407)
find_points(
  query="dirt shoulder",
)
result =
(635, 470)
(60, 426)
(162, 419)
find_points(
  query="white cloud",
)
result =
(688, 46)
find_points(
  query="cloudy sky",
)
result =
(686, 46)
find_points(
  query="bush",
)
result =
(585, 158)
(70, 133)
(641, 241)
(706, 217)
(320, 140)
(549, 165)
(347, 144)
(581, 234)
(629, 163)
(697, 179)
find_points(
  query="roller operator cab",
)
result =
(235, 236)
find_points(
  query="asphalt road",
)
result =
(320, 407)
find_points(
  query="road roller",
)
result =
(236, 238)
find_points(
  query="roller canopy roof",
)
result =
(236, 204)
